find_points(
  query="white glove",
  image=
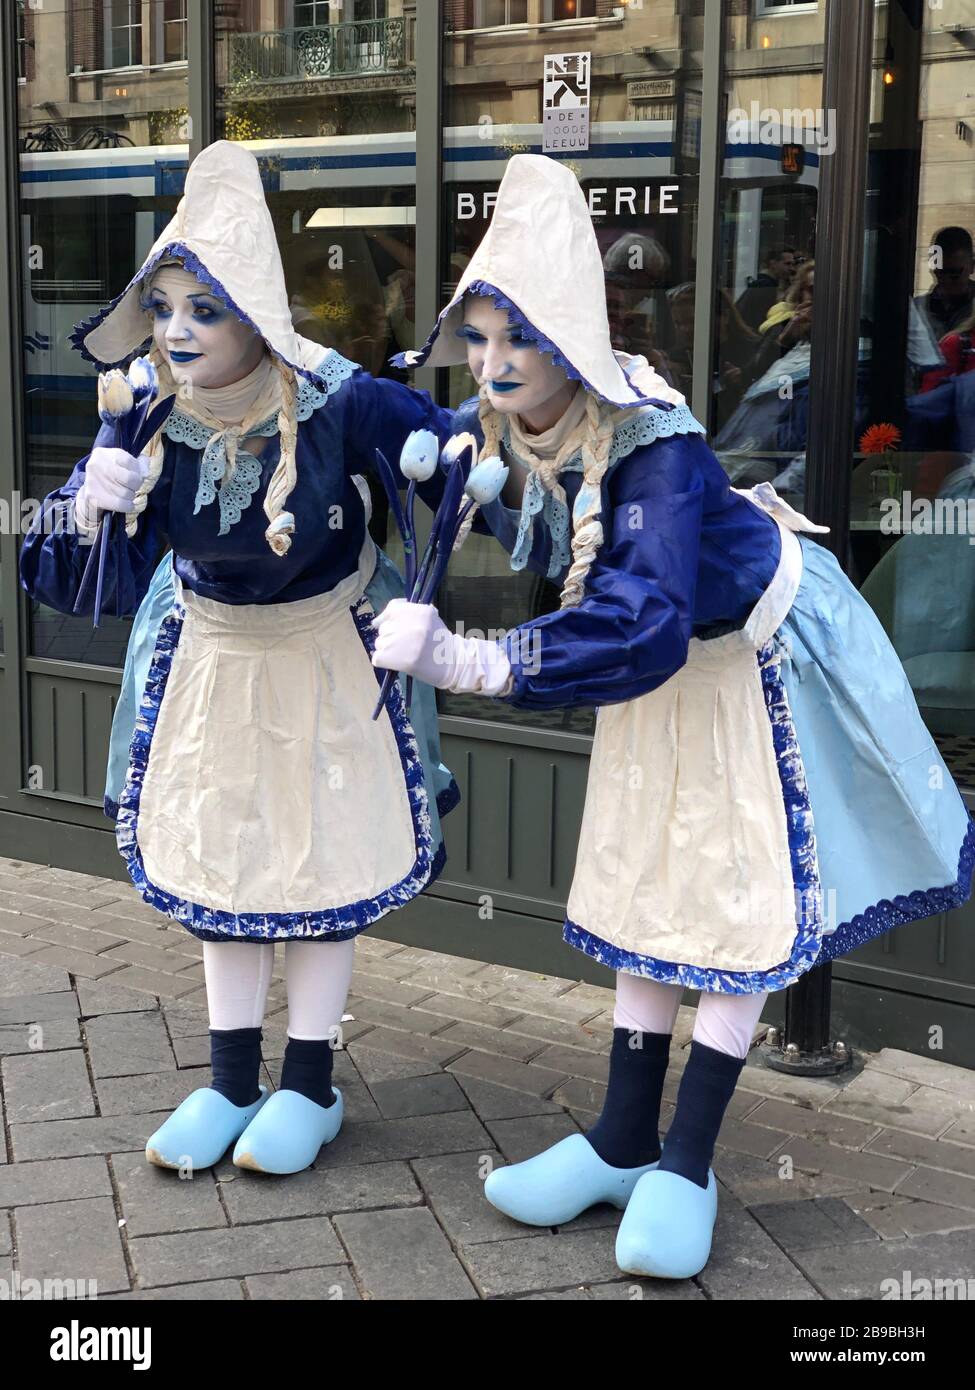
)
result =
(112, 478)
(411, 638)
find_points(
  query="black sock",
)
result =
(706, 1087)
(625, 1135)
(308, 1069)
(235, 1059)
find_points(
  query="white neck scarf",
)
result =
(230, 405)
(547, 444)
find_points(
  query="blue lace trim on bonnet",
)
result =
(517, 318)
(192, 262)
(657, 419)
(235, 493)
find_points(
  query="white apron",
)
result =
(684, 851)
(268, 789)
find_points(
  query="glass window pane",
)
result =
(329, 111)
(776, 133)
(97, 185)
(640, 173)
(912, 541)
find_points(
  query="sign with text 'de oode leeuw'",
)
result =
(565, 102)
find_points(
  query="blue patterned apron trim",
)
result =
(912, 907)
(805, 875)
(333, 923)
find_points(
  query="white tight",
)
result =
(725, 1022)
(238, 975)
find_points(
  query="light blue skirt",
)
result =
(894, 839)
(879, 834)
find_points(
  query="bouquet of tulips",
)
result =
(125, 405)
(419, 460)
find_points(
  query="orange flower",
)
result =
(879, 439)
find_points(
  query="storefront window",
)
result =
(640, 173)
(327, 104)
(912, 506)
(776, 136)
(314, 69)
(123, 36)
(102, 161)
(174, 31)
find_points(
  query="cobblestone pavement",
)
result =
(827, 1188)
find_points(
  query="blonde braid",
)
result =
(285, 476)
(587, 529)
(596, 442)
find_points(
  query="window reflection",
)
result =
(640, 176)
(102, 115)
(913, 480)
(776, 133)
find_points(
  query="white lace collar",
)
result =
(234, 493)
(636, 430)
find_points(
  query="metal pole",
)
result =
(804, 1045)
(428, 190)
(201, 97)
(13, 605)
(708, 207)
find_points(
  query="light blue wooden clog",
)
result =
(560, 1183)
(667, 1227)
(288, 1133)
(200, 1130)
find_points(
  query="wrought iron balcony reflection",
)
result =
(330, 50)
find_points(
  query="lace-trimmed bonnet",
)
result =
(222, 232)
(540, 260)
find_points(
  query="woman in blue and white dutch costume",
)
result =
(247, 802)
(763, 795)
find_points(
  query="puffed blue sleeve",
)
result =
(380, 413)
(53, 555)
(631, 631)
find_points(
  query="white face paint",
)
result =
(520, 380)
(204, 341)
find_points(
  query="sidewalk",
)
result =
(826, 1187)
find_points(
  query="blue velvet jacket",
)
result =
(337, 439)
(683, 555)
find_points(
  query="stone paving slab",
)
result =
(324, 1190)
(209, 1290)
(53, 1180)
(129, 1044)
(46, 1086)
(858, 1272)
(452, 1066)
(51, 1035)
(156, 1201)
(529, 1264)
(746, 1263)
(266, 1247)
(334, 1284)
(75, 1138)
(76, 1240)
(423, 1265)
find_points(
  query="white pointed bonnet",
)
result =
(540, 260)
(223, 233)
